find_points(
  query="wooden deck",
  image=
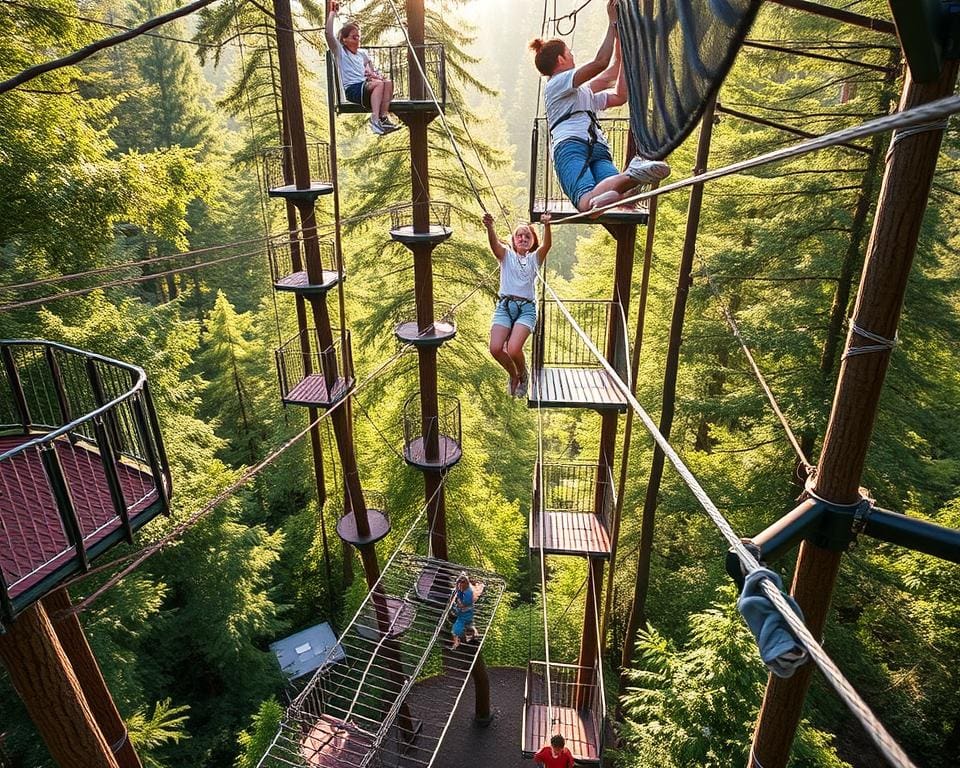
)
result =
(299, 282)
(575, 388)
(35, 552)
(570, 533)
(331, 743)
(448, 455)
(576, 727)
(312, 391)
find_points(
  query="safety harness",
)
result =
(594, 132)
(513, 306)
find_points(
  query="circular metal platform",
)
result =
(438, 333)
(379, 527)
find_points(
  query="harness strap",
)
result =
(594, 137)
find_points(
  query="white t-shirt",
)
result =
(561, 98)
(518, 274)
(352, 66)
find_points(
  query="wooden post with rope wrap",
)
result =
(911, 161)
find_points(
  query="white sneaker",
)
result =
(521, 390)
(376, 127)
(645, 171)
(388, 125)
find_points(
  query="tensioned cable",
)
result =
(107, 42)
(126, 281)
(916, 116)
(111, 25)
(735, 329)
(875, 729)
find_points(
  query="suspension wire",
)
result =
(923, 116)
(127, 281)
(874, 728)
(107, 42)
(473, 144)
(111, 25)
(572, 16)
(735, 329)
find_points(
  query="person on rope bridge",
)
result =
(362, 83)
(573, 96)
(555, 754)
(463, 601)
(515, 315)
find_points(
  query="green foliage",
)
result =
(255, 741)
(164, 726)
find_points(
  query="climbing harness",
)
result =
(513, 306)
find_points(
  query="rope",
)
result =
(735, 329)
(881, 344)
(875, 729)
(77, 56)
(923, 114)
(573, 19)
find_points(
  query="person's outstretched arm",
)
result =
(328, 29)
(602, 60)
(547, 239)
(495, 245)
(618, 96)
(608, 77)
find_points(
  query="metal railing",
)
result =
(281, 250)
(571, 687)
(392, 62)
(445, 424)
(557, 344)
(437, 214)
(98, 412)
(275, 159)
(300, 356)
(545, 190)
(575, 487)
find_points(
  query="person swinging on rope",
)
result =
(515, 315)
(573, 96)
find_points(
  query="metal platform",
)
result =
(575, 388)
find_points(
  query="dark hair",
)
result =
(547, 52)
(556, 741)
(346, 29)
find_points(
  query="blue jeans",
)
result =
(510, 311)
(581, 166)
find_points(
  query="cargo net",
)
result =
(676, 54)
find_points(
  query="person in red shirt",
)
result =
(555, 755)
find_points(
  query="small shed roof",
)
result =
(306, 651)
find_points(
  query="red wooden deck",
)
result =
(312, 390)
(570, 533)
(332, 744)
(576, 727)
(33, 543)
(575, 388)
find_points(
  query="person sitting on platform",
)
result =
(573, 96)
(555, 754)
(515, 316)
(463, 611)
(362, 83)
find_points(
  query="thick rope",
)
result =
(880, 343)
(875, 729)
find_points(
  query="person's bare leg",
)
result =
(498, 341)
(621, 184)
(518, 337)
(376, 97)
(387, 97)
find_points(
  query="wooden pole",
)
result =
(638, 615)
(43, 676)
(911, 162)
(94, 687)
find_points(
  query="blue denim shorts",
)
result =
(356, 92)
(510, 311)
(581, 166)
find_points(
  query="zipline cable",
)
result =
(756, 370)
(875, 729)
(934, 114)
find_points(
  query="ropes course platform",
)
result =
(82, 465)
(301, 366)
(391, 61)
(565, 374)
(355, 713)
(577, 507)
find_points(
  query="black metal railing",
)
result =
(437, 214)
(301, 356)
(445, 424)
(286, 255)
(276, 159)
(392, 62)
(576, 487)
(56, 396)
(571, 687)
(545, 190)
(557, 344)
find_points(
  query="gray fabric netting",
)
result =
(676, 54)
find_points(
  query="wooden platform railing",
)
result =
(82, 463)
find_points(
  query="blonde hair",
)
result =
(533, 235)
